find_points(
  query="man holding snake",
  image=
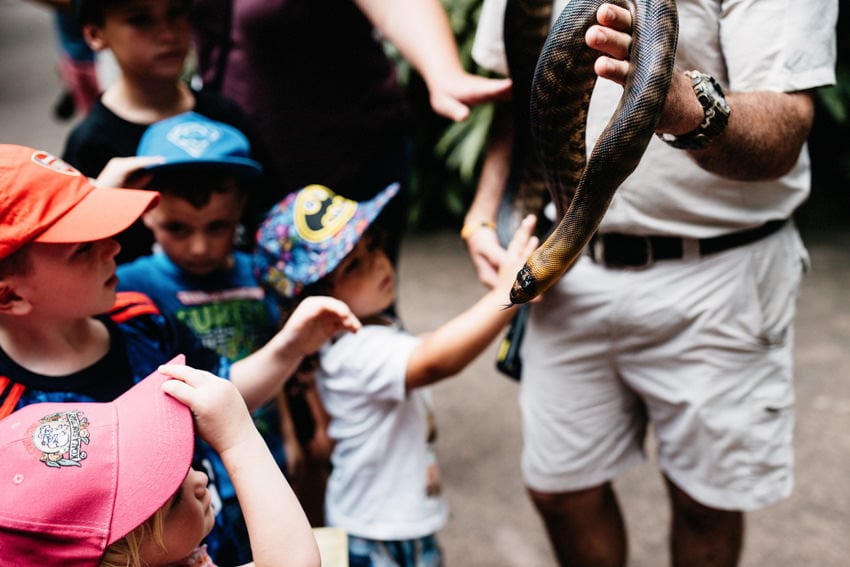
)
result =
(680, 313)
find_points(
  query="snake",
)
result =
(563, 80)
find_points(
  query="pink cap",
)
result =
(77, 477)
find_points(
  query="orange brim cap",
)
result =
(103, 212)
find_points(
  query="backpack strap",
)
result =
(131, 304)
(12, 391)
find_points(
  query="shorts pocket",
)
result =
(777, 268)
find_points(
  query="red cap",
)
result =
(77, 477)
(43, 199)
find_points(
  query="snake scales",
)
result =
(559, 95)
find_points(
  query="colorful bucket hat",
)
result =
(76, 477)
(193, 140)
(305, 236)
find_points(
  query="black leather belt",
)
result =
(629, 251)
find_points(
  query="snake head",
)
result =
(524, 288)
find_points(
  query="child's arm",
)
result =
(448, 350)
(277, 525)
(315, 321)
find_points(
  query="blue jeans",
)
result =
(421, 552)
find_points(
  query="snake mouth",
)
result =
(524, 288)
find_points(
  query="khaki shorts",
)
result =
(701, 349)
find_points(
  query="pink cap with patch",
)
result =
(77, 477)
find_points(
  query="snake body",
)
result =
(561, 87)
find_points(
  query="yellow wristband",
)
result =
(471, 227)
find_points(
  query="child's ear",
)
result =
(10, 302)
(148, 220)
(94, 37)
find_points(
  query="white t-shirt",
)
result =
(383, 484)
(777, 45)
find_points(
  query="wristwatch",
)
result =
(716, 110)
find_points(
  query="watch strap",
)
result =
(715, 114)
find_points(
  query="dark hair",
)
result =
(196, 185)
(93, 11)
(15, 263)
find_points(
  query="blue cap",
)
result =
(191, 140)
(305, 236)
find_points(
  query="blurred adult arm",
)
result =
(420, 30)
(482, 242)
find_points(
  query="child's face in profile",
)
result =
(149, 38)
(82, 275)
(199, 241)
(365, 279)
(188, 519)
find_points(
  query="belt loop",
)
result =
(690, 249)
(597, 249)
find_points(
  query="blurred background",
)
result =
(492, 523)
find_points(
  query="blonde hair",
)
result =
(126, 552)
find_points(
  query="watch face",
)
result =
(716, 110)
(717, 96)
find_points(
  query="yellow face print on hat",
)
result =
(319, 213)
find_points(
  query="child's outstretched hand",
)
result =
(315, 321)
(260, 375)
(520, 248)
(221, 416)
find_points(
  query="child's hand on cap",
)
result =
(119, 171)
(221, 416)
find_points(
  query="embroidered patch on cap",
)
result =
(319, 213)
(194, 138)
(60, 438)
(50, 161)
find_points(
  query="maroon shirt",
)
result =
(313, 78)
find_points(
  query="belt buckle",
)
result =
(622, 251)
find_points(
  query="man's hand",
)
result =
(611, 36)
(486, 254)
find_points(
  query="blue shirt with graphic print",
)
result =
(227, 310)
